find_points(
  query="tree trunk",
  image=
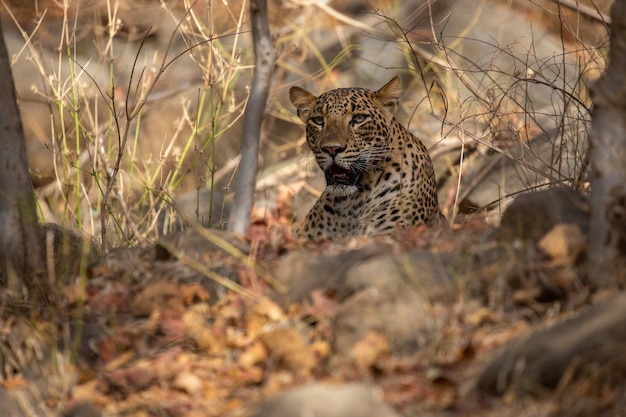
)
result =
(22, 258)
(607, 242)
(265, 56)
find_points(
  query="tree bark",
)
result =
(22, 257)
(265, 57)
(607, 241)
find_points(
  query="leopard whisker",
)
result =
(368, 160)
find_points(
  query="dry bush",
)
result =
(139, 98)
(129, 104)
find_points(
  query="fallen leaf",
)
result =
(255, 353)
(564, 244)
(116, 379)
(288, 347)
(187, 382)
(16, 382)
(258, 230)
(90, 391)
(206, 336)
(372, 347)
(108, 348)
(179, 409)
(139, 377)
(168, 362)
(321, 349)
(263, 312)
(112, 299)
(171, 324)
(480, 316)
(252, 375)
(194, 293)
(157, 296)
(284, 199)
(444, 392)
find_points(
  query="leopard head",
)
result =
(348, 130)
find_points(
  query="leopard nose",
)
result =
(333, 150)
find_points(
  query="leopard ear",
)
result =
(388, 96)
(303, 100)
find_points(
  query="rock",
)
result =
(426, 272)
(392, 296)
(303, 272)
(597, 336)
(377, 290)
(327, 400)
(532, 215)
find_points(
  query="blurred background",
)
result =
(497, 90)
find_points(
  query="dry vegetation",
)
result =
(129, 105)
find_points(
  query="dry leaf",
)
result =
(480, 316)
(564, 244)
(171, 324)
(288, 347)
(255, 353)
(16, 382)
(258, 230)
(158, 296)
(140, 377)
(179, 409)
(206, 337)
(284, 199)
(187, 382)
(194, 293)
(372, 347)
(116, 379)
(262, 313)
(321, 349)
(443, 392)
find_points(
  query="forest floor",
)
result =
(206, 324)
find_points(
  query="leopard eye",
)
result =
(318, 120)
(358, 118)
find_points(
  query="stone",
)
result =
(532, 215)
(327, 400)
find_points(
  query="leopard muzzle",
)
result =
(336, 175)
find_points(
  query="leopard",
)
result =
(379, 176)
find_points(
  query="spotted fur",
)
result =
(378, 175)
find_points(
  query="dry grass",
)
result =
(144, 100)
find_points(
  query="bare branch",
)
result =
(265, 57)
